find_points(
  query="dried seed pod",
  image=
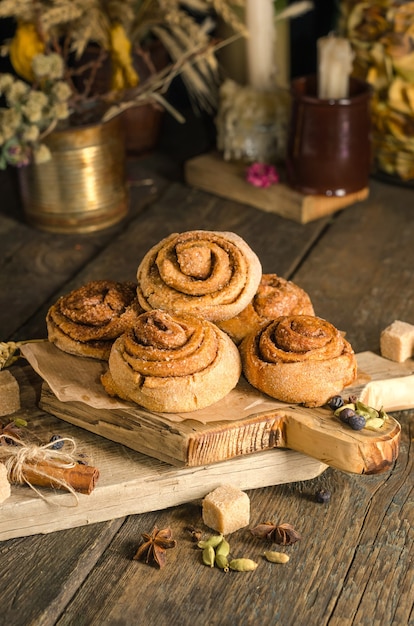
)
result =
(276, 557)
(223, 548)
(222, 562)
(242, 565)
(212, 541)
(209, 556)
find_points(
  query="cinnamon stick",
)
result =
(81, 478)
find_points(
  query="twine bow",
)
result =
(19, 456)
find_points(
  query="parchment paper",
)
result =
(77, 379)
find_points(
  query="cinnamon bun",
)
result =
(86, 321)
(172, 363)
(300, 359)
(208, 274)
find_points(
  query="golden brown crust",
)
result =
(86, 321)
(275, 297)
(209, 274)
(301, 359)
(172, 363)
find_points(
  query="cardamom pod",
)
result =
(242, 565)
(209, 556)
(276, 557)
(222, 562)
(223, 548)
(212, 541)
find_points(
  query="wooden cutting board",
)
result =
(259, 425)
(129, 482)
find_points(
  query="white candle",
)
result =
(260, 44)
(335, 58)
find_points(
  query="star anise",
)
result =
(12, 428)
(155, 546)
(283, 534)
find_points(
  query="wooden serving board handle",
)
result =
(322, 436)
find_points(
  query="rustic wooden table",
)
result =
(355, 562)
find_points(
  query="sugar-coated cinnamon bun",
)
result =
(301, 359)
(209, 274)
(171, 363)
(86, 321)
(275, 296)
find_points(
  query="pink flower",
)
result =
(262, 175)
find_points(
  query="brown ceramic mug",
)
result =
(329, 142)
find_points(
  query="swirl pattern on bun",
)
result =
(86, 321)
(300, 359)
(209, 274)
(172, 363)
(275, 297)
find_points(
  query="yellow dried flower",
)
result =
(6, 80)
(32, 112)
(123, 73)
(41, 154)
(60, 111)
(30, 133)
(61, 91)
(25, 45)
(16, 92)
(10, 120)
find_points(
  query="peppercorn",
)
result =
(323, 496)
(346, 415)
(57, 441)
(357, 422)
(335, 402)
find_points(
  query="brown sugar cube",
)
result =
(226, 509)
(397, 341)
(9, 393)
(4, 483)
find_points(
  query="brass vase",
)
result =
(83, 187)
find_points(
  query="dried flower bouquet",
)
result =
(53, 81)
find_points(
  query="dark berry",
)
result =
(335, 403)
(357, 422)
(346, 415)
(323, 496)
(58, 442)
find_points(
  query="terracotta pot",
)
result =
(83, 187)
(143, 124)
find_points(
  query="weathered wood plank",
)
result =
(327, 579)
(227, 179)
(40, 578)
(35, 265)
(360, 276)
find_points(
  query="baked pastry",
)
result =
(209, 274)
(298, 358)
(172, 363)
(275, 296)
(86, 321)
